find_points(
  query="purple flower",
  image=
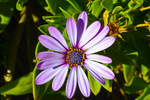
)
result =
(86, 41)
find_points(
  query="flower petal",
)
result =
(100, 69)
(102, 33)
(81, 24)
(57, 35)
(95, 75)
(80, 29)
(104, 44)
(89, 33)
(47, 54)
(83, 16)
(60, 78)
(50, 63)
(72, 31)
(46, 75)
(83, 82)
(99, 58)
(71, 83)
(51, 43)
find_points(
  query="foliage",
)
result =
(21, 22)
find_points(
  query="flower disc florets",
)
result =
(75, 57)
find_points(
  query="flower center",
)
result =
(75, 57)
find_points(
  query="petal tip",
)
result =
(54, 88)
(69, 96)
(50, 28)
(113, 38)
(40, 37)
(113, 76)
(109, 60)
(87, 95)
(37, 82)
(98, 23)
(84, 13)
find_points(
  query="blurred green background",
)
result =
(22, 21)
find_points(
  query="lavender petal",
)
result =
(51, 43)
(71, 83)
(60, 78)
(57, 35)
(71, 28)
(102, 45)
(83, 82)
(99, 58)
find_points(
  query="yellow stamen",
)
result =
(105, 17)
(144, 8)
(146, 24)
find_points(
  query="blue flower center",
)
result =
(75, 57)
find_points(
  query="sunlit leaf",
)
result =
(133, 53)
(117, 9)
(21, 86)
(74, 4)
(95, 7)
(128, 73)
(108, 85)
(65, 13)
(20, 4)
(134, 4)
(44, 28)
(145, 95)
(70, 6)
(107, 4)
(136, 86)
(94, 85)
(144, 71)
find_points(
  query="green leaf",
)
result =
(108, 85)
(144, 71)
(6, 11)
(145, 95)
(107, 4)
(20, 4)
(94, 85)
(137, 84)
(128, 73)
(95, 7)
(21, 86)
(130, 18)
(74, 4)
(117, 9)
(69, 6)
(133, 53)
(65, 13)
(55, 21)
(134, 4)
(44, 29)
